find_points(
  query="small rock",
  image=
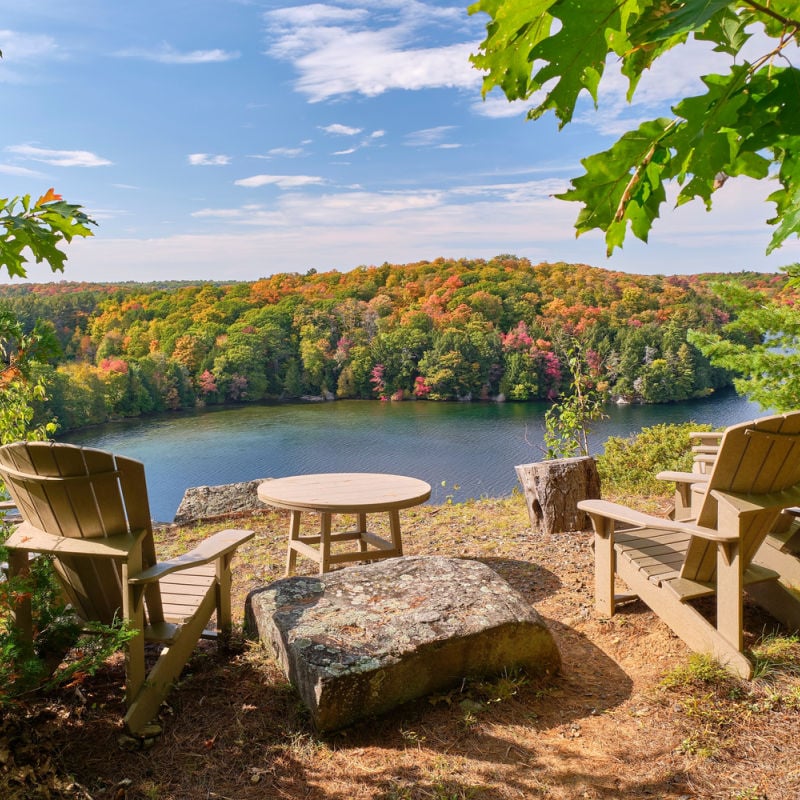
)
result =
(208, 502)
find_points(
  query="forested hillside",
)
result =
(438, 330)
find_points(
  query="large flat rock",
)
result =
(362, 640)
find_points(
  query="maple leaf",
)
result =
(48, 197)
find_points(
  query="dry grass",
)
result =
(632, 715)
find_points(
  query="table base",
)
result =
(321, 553)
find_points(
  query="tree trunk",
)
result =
(553, 489)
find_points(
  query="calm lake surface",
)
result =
(472, 446)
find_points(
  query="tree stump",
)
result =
(553, 489)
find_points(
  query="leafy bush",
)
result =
(25, 666)
(629, 465)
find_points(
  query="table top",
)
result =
(344, 492)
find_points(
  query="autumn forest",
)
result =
(440, 330)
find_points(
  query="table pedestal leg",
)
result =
(294, 535)
(362, 528)
(394, 527)
(324, 542)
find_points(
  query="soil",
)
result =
(632, 715)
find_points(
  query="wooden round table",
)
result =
(357, 493)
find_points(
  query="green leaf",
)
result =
(39, 229)
(505, 54)
(685, 17)
(624, 184)
(519, 39)
(727, 30)
(747, 121)
(575, 57)
(787, 201)
(782, 18)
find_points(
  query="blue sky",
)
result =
(232, 139)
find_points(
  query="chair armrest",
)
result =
(682, 477)
(208, 550)
(620, 513)
(743, 503)
(27, 537)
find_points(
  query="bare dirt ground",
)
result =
(610, 726)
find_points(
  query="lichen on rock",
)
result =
(362, 640)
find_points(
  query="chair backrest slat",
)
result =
(78, 492)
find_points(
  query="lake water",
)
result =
(472, 446)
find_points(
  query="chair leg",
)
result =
(143, 708)
(730, 593)
(683, 502)
(19, 567)
(687, 623)
(133, 615)
(781, 602)
(223, 593)
(604, 566)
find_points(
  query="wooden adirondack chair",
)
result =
(89, 510)
(780, 549)
(669, 563)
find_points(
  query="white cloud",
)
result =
(206, 160)
(280, 152)
(218, 213)
(24, 53)
(314, 14)
(286, 152)
(338, 51)
(344, 130)
(101, 214)
(26, 46)
(525, 191)
(341, 130)
(281, 181)
(341, 231)
(331, 210)
(497, 106)
(59, 158)
(166, 54)
(22, 172)
(428, 137)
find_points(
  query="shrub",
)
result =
(629, 465)
(25, 668)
